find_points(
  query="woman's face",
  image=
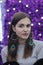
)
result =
(23, 28)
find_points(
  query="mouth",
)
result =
(25, 34)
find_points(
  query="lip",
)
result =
(25, 34)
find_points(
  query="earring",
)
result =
(31, 43)
(12, 47)
(13, 37)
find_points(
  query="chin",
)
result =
(25, 38)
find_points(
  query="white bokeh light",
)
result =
(32, 24)
(8, 36)
(39, 23)
(29, 12)
(14, 9)
(39, 34)
(27, 5)
(19, 1)
(36, 10)
(7, 10)
(42, 17)
(9, 23)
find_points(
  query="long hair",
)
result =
(13, 39)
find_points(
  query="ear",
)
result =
(13, 28)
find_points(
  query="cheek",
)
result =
(18, 31)
(29, 29)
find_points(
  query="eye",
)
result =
(21, 25)
(29, 25)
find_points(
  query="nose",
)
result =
(25, 29)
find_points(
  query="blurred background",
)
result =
(34, 8)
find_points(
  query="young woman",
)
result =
(21, 47)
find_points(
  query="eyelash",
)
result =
(28, 25)
(23, 26)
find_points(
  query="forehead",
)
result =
(24, 21)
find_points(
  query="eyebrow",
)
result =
(24, 24)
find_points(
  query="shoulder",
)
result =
(38, 46)
(4, 50)
(4, 53)
(38, 43)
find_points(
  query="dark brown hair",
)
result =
(12, 36)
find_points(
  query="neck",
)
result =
(21, 41)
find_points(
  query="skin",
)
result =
(22, 29)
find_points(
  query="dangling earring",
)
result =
(12, 48)
(31, 43)
(13, 37)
